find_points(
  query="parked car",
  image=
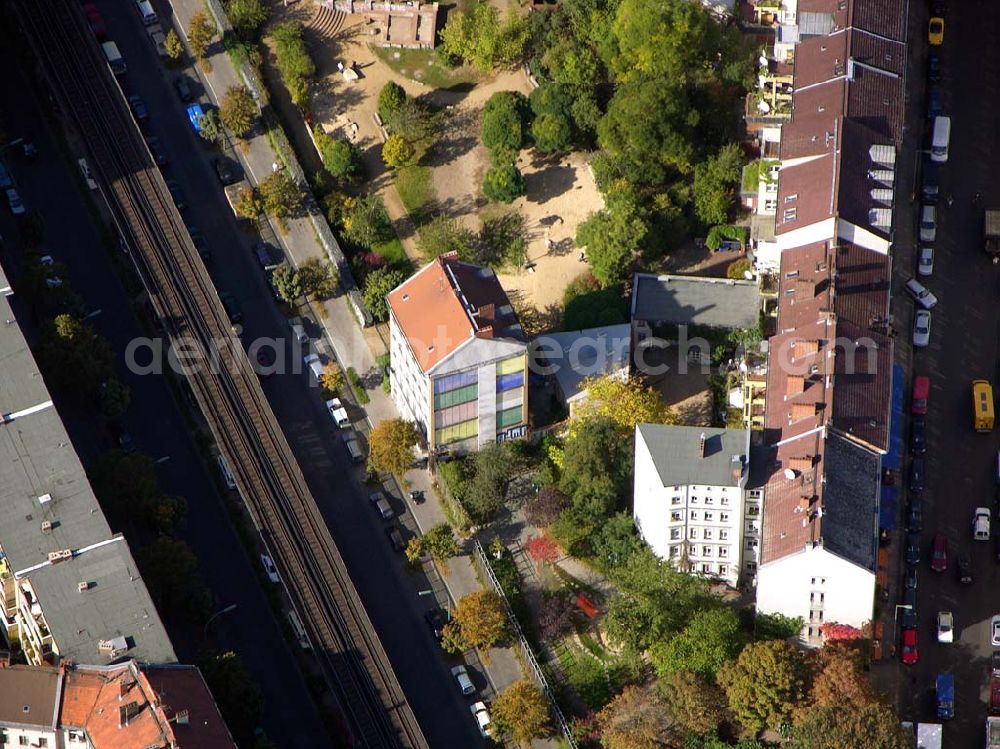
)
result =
(232, 307)
(265, 257)
(298, 329)
(921, 293)
(270, 569)
(395, 538)
(15, 203)
(461, 675)
(913, 548)
(194, 114)
(945, 627)
(964, 567)
(138, 107)
(935, 31)
(981, 524)
(922, 329)
(939, 553)
(95, 20)
(157, 150)
(925, 261)
(935, 106)
(182, 85)
(224, 171)
(920, 394)
(918, 436)
(930, 185)
(915, 515)
(482, 716)
(436, 619)
(910, 578)
(88, 176)
(928, 223)
(5, 179)
(934, 67)
(917, 474)
(909, 616)
(385, 509)
(909, 653)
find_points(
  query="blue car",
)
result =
(195, 114)
(933, 102)
(5, 178)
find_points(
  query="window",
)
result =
(708, 500)
(792, 198)
(723, 517)
(751, 543)
(753, 510)
(694, 500)
(675, 534)
(510, 381)
(22, 740)
(706, 569)
(708, 534)
(692, 533)
(706, 551)
(43, 742)
(723, 551)
(694, 515)
(722, 569)
(723, 534)
(792, 274)
(751, 566)
(675, 500)
(709, 516)
(675, 516)
(509, 417)
(674, 551)
(790, 214)
(724, 501)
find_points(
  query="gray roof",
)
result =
(693, 300)
(42, 479)
(585, 353)
(676, 454)
(850, 501)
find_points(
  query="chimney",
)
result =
(701, 446)
(123, 689)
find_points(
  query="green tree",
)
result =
(765, 684)
(172, 43)
(625, 402)
(866, 726)
(443, 234)
(638, 719)
(168, 568)
(288, 282)
(412, 120)
(390, 99)
(483, 39)
(736, 269)
(776, 626)
(294, 62)
(653, 602)
(238, 110)
(340, 157)
(396, 151)
(166, 513)
(367, 222)
(522, 712)
(486, 489)
(319, 278)
(711, 638)
(281, 195)
(74, 358)
(597, 466)
(248, 203)
(612, 237)
(390, 446)
(699, 706)
(478, 621)
(235, 691)
(441, 544)
(715, 180)
(552, 132)
(247, 17)
(615, 541)
(500, 241)
(504, 184)
(201, 33)
(650, 128)
(670, 40)
(505, 117)
(210, 127)
(377, 286)
(125, 483)
(114, 398)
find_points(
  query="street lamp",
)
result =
(216, 615)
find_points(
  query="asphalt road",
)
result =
(387, 590)
(965, 334)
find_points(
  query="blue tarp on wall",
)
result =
(889, 500)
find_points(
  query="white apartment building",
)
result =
(458, 357)
(689, 500)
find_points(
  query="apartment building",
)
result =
(829, 374)
(458, 357)
(689, 500)
(121, 706)
(70, 587)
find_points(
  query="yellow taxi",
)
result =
(935, 32)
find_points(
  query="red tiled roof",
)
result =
(806, 194)
(448, 302)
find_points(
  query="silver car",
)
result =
(922, 329)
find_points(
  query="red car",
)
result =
(921, 392)
(909, 649)
(95, 20)
(939, 553)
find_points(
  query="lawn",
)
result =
(414, 186)
(423, 65)
(394, 254)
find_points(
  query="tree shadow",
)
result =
(550, 182)
(457, 136)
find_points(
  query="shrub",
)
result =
(504, 184)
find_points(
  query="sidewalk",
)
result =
(345, 341)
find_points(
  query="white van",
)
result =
(227, 475)
(146, 11)
(940, 139)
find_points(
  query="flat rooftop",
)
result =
(586, 353)
(695, 300)
(42, 479)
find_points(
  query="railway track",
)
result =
(268, 477)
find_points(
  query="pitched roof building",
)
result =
(458, 356)
(123, 706)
